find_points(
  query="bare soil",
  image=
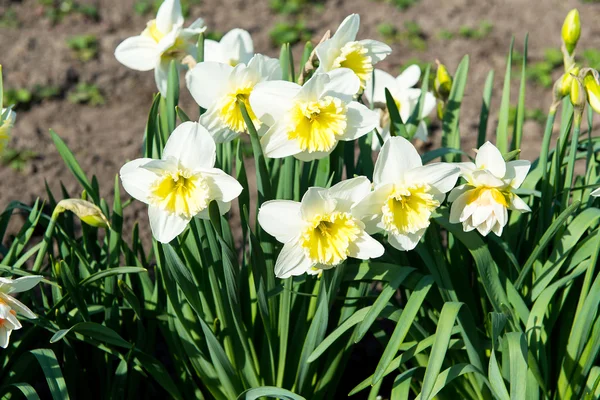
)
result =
(104, 137)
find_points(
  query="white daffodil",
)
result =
(182, 184)
(344, 51)
(217, 87)
(7, 122)
(321, 231)
(406, 193)
(163, 40)
(10, 307)
(405, 96)
(235, 48)
(483, 202)
(308, 121)
(596, 192)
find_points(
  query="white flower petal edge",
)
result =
(10, 307)
(236, 47)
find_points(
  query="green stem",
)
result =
(572, 157)
(543, 165)
(37, 265)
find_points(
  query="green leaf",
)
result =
(502, 129)
(485, 108)
(269, 391)
(95, 331)
(517, 348)
(520, 117)
(397, 127)
(450, 132)
(25, 388)
(111, 272)
(448, 375)
(54, 377)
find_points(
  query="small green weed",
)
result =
(86, 93)
(17, 159)
(24, 98)
(9, 19)
(84, 47)
(56, 10)
(285, 32)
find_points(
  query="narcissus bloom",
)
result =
(218, 87)
(10, 307)
(235, 48)
(182, 184)
(406, 193)
(7, 121)
(321, 231)
(344, 51)
(308, 121)
(483, 202)
(163, 40)
(405, 96)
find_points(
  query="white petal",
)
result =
(23, 283)
(457, 191)
(292, 260)
(349, 192)
(421, 133)
(518, 204)
(265, 67)
(347, 30)
(207, 81)
(360, 121)
(215, 126)
(397, 156)
(429, 104)
(327, 52)
(271, 99)
(275, 142)
(281, 219)
(213, 51)
(489, 157)
(191, 144)
(165, 226)
(313, 88)
(409, 77)
(169, 14)
(365, 247)
(16, 305)
(169, 40)
(138, 52)
(237, 45)
(161, 76)
(343, 84)
(517, 171)
(458, 206)
(485, 177)
(442, 176)
(224, 208)
(375, 91)
(376, 50)
(481, 214)
(314, 202)
(595, 192)
(4, 337)
(372, 203)
(407, 241)
(223, 187)
(196, 28)
(136, 180)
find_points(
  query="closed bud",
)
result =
(562, 87)
(571, 30)
(88, 212)
(443, 82)
(578, 96)
(592, 89)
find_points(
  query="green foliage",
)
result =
(294, 6)
(8, 18)
(18, 159)
(56, 10)
(86, 93)
(146, 7)
(289, 32)
(468, 32)
(23, 98)
(84, 47)
(541, 72)
(402, 4)
(412, 34)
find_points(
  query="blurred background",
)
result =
(60, 72)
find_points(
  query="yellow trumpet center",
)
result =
(230, 113)
(153, 32)
(327, 239)
(485, 196)
(181, 192)
(317, 125)
(354, 56)
(408, 209)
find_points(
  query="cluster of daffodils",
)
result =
(307, 122)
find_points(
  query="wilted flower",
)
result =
(344, 51)
(88, 212)
(10, 307)
(406, 193)
(235, 47)
(7, 121)
(308, 121)
(218, 87)
(483, 202)
(163, 40)
(320, 232)
(182, 184)
(405, 96)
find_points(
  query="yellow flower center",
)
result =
(317, 125)
(485, 196)
(155, 34)
(230, 113)
(181, 192)
(327, 239)
(353, 55)
(408, 209)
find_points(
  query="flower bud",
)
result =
(578, 96)
(88, 212)
(7, 121)
(443, 82)
(571, 30)
(592, 89)
(562, 86)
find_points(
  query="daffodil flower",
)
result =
(342, 50)
(406, 193)
(483, 202)
(235, 47)
(405, 96)
(320, 232)
(10, 307)
(308, 121)
(182, 184)
(7, 122)
(218, 87)
(163, 40)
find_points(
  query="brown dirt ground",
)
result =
(104, 137)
